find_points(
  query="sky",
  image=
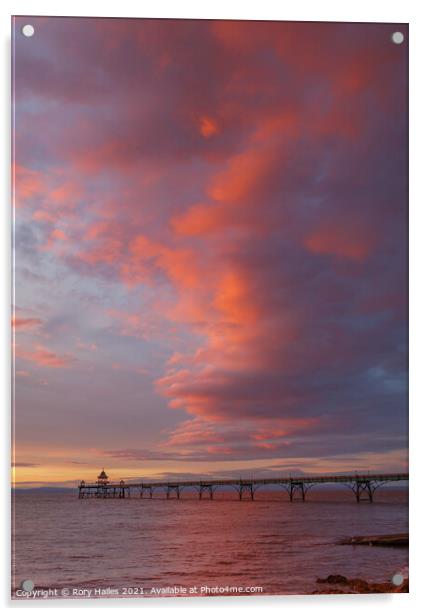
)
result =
(210, 249)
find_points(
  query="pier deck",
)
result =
(363, 486)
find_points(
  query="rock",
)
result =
(333, 579)
(395, 541)
(358, 586)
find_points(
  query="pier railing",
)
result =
(362, 485)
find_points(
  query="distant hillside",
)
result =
(44, 489)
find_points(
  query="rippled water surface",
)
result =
(62, 542)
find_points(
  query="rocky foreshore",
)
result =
(339, 584)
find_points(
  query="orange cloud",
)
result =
(179, 264)
(27, 183)
(208, 127)
(350, 241)
(45, 216)
(199, 219)
(241, 176)
(55, 236)
(280, 428)
(46, 358)
(66, 193)
(234, 298)
(194, 431)
(25, 323)
(50, 189)
(284, 124)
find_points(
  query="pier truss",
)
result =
(363, 486)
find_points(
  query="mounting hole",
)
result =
(397, 579)
(28, 30)
(27, 585)
(397, 38)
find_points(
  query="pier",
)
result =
(363, 486)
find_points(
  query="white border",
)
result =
(307, 10)
(402, 11)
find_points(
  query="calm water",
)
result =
(62, 542)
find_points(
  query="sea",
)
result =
(63, 547)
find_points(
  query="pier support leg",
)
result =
(205, 488)
(175, 489)
(364, 488)
(248, 487)
(297, 487)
